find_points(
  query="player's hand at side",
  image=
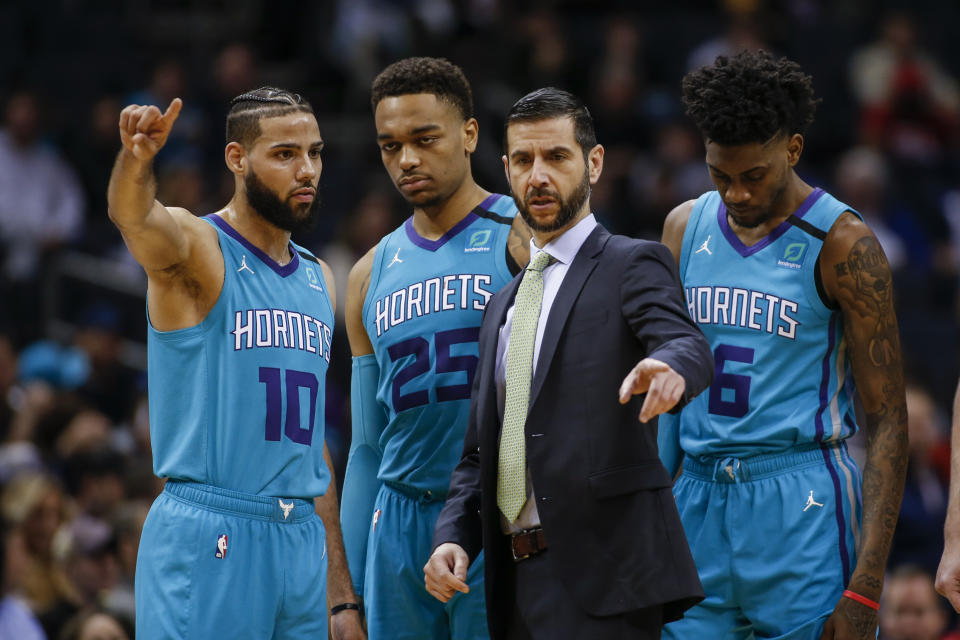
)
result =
(851, 621)
(664, 387)
(346, 625)
(446, 571)
(948, 574)
(144, 130)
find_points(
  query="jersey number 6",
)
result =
(720, 403)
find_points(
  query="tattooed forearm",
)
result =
(870, 327)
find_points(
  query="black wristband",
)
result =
(343, 607)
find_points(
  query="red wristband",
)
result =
(865, 601)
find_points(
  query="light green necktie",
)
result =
(511, 479)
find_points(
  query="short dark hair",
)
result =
(550, 102)
(247, 109)
(749, 98)
(438, 76)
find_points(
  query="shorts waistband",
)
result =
(271, 508)
(418, 495)
(731, 469)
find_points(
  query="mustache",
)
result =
(541, 192)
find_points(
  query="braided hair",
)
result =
(246, 110)
(749, 98)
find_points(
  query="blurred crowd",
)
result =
(75, 469)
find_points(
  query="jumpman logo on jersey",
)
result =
(705, 246)
(287, 508)
(243, 265)
(396, 258)
(811, 502)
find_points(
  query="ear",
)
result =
(236, 158)
(595, 163)
(471, 132)
(794, 149)
(506, 169)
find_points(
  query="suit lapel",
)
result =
(581, 267)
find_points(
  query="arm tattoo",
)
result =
(871, 329)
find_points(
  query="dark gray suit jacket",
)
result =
(605, 501)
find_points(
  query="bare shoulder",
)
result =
(359, 280)
(674, 227)
(518, 242)
(330, 282)
(853, 264)
(357, 285)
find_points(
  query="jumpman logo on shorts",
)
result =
(811, 502)
(243, 265)
(705, 246)
(396, 258)
(287, 508)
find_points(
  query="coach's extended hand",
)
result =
(664, 387)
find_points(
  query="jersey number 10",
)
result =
(294, 381)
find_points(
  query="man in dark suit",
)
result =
(558, 483)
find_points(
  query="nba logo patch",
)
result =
(221, 546)
(376, 518)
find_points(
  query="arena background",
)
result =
(74, 461)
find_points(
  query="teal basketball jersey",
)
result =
(422, 313)
(782, 376)
(237, 401)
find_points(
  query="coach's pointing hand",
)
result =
(144, 130)
(446, 571)
(664, 387)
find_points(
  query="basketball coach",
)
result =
(559, 484)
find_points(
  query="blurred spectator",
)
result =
(183, 147)
(910, 103)
(90, 560)
(96, 625)
(95, 480)
(127, 522)
(743, 31)
(41, 206)
(35, 507)
(861, 179)
(918, 538)
(16, 619)
(910, 608)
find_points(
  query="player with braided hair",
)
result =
(239, 331)
(793, 291)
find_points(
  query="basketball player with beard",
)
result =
(239, 327)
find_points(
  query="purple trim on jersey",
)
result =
(283, 271)
(433, 245)
(489, 200)
(771, 237)
(838, 500)
(825, 377)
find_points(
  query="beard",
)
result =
(569, 207)
(296, 218)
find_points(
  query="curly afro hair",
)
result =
(438, 76)
(749, 98)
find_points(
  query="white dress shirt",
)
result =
(564, 249)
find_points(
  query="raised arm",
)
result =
(857, 277)
(179, 253)
(360, 483)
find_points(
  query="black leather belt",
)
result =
(526, 543)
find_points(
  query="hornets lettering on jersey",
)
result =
(745, 308)
(453, 291)
(280, 328)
